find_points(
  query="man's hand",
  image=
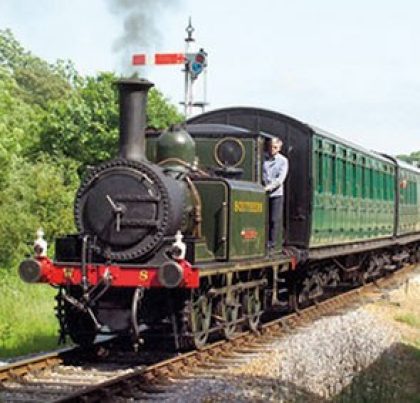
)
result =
(269, 188)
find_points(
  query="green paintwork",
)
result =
(205, 150)
(214, 199)
(233, 211)
(353, 197)
(175, 144)
(151, 148)
(221, 225)
(247, 207)
(202, 253)
(409, 207)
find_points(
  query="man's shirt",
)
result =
(274, 173)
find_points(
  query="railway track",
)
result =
(70, 376)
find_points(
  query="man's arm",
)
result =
(279, 180)
(264, 175)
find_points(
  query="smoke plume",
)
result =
(141, 25)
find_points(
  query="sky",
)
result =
(351, 67)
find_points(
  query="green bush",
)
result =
(38, 195)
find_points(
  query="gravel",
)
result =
(325, 358)
(312, 364)
(415, 279)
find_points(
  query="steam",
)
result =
(141, 27)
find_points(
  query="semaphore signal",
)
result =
(143, 59)
(194, 63)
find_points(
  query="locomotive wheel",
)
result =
(333, 278)
(230, 314)
(200, 319)
(252, 306)
(80, 327)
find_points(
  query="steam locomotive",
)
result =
(172, 233)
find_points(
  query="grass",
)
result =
(401, 368)
(415, 345)
(409, 319)
(392, 378)
(27, 318)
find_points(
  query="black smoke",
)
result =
(142, 28)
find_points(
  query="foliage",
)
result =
(15, 118)
(160, 113)
(413, 158)
(38, 194)
(38, 82)
(32, 193)
(85, 126)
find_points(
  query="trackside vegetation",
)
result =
(53, 123)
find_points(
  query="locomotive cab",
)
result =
(233, 203)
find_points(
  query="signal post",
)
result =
(195, 63)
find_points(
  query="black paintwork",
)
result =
(133, 102)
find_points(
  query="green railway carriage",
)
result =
(409, 199)
(353, 192)
(340, 198)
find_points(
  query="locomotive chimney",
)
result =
(133, 103)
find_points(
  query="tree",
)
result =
(67, 114)
(413, 158)
(160, 113)
(37, 195)
(17, 125)
(38, 82)
(85, 126)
